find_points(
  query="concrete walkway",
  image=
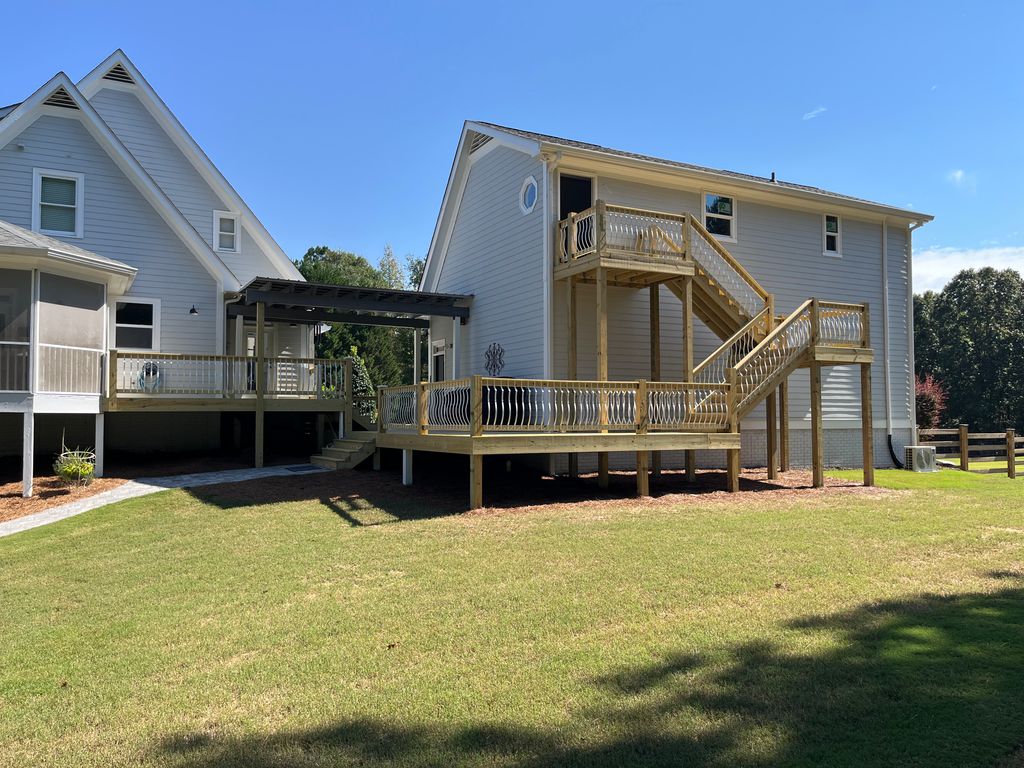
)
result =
(145, 486)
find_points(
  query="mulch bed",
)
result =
(49, 492)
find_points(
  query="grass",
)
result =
(840, 630)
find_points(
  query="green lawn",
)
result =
(800, 630)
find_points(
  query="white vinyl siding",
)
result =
(178, 178)
(497, 254)
(122, 225)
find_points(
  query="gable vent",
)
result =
(479, 139)
(119, 74)
(60, 98)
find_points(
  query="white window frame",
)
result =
(734, 219)
(114, 325)
(522, 191)
(219, 216)
(437, 347)
(37, 190)
(838, 253)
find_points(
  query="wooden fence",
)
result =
(970, 448)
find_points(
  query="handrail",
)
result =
(727, 345)
(778, 331)
(756, 286)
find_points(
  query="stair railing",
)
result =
(719, 265)
(714, 368)
(779, 350)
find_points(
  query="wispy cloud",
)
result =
(814, 113)
(934, 267)
(961, 179)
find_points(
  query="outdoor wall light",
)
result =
(193, 311)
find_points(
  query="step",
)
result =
(349, 444)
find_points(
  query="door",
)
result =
(269, 350)
(437, 360)
(575, 194)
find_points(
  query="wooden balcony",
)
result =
(636, 247)
(164, 382)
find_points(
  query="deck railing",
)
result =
(167, 375)
(69, 370)
(487, 405)
(620, 229)
(14, 366)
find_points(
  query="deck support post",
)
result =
(770, 438)
(376, 460)
(733, 469)
(784, 426)
(28, 446)
(407, 466)
(98, 445)
(643, 487)
(867, 428)
(817, 436)
(602, 366)
(687, 298)
(261, 379)
(572, 363)
(476, 481)
(655, 307)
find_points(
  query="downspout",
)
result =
(910, 327)
(885, 344)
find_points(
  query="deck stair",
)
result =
(346, 453)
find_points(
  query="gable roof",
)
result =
(117, 70)
(543, 140)
(78, 106)
(18, 241)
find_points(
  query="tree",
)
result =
(390, 270)
(930, 398)
(414, 267)
(971, 337)
(386, 352)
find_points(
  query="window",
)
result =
(832, 236)
(137, 324)
(437, 361)
(57, 202)
(528, 195)
(225, 231)
(720, 216)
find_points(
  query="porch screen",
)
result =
(70, 312)
(15, 316)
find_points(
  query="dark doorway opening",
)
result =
(575, 194)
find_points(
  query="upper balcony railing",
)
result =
(617, 229)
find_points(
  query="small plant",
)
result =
(75, 468)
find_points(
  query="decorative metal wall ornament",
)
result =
(494, 359)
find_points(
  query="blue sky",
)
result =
(337, 122)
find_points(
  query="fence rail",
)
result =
(965, 447)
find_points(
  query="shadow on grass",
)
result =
(441, 488)
(930, 681)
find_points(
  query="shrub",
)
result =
(75, 468)
(931, 398)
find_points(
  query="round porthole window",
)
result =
(528, 195)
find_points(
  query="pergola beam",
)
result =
(315, 315)
(354, 302)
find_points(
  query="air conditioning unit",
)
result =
(920, 458)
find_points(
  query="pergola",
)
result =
(268, 299)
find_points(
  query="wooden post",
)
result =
(867, 427)
(733, 454)
(643, 486)
(690, 455)
(602, 366)
(572, 362)
(422, 404)
(111, 377)
(456, 347)
(406, 466)
(770, 425)
(261, 378)
(1011, 454)
(476, 481)
(28, 446)
(965, 447)
(784, 426)
(655, 307)
(417, 374)
(347, 413)
(476, 405)
(817, 436)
